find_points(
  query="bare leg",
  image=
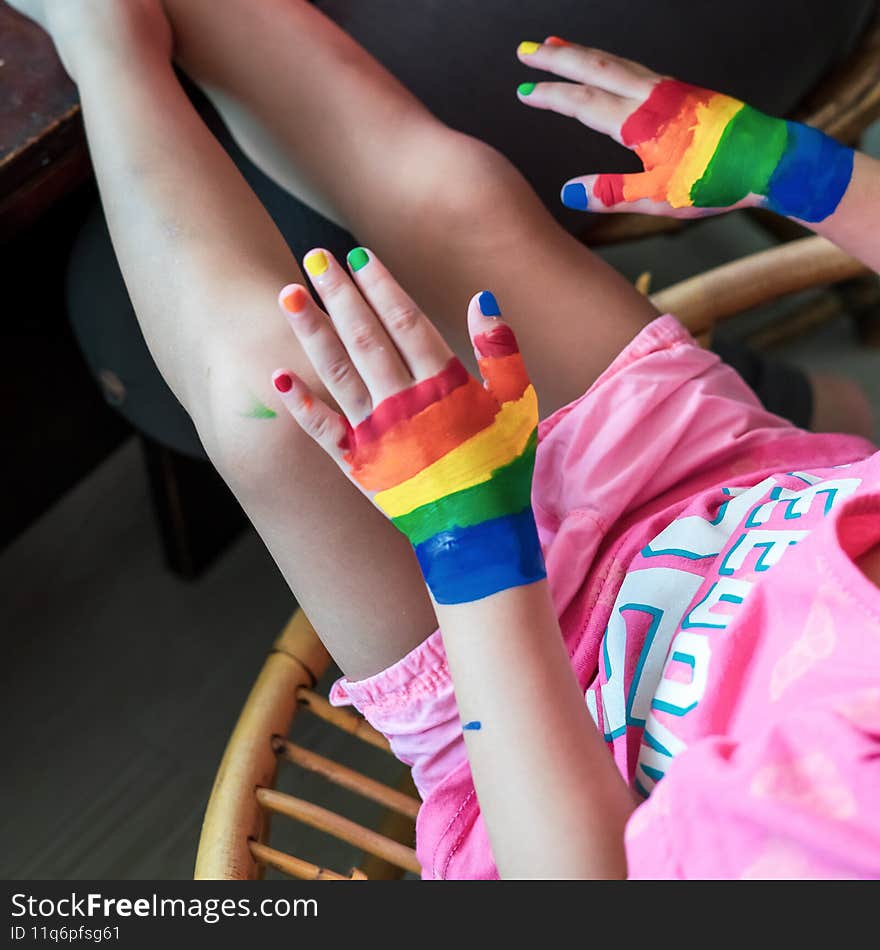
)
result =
(203, 264)
(446, 213)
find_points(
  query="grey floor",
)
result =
(120, 683)
(120, 687)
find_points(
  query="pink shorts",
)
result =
(664, 416)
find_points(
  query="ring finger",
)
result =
(325, 352)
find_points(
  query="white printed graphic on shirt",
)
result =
(672, 669)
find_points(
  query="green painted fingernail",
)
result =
(357, 258)
(526, 88)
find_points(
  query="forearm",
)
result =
(853, 225)
(554, 803)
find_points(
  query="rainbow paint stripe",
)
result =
(451, 464)
(705, 150)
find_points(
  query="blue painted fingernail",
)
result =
(488, 304)
(574, 195)
(473, 726)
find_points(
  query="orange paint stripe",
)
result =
(414, 444)
(408, 403)
(506, 376)
(664, 153)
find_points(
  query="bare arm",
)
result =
(853, 226)
(554, 803)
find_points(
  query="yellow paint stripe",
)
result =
(471, 463)
(712, 119)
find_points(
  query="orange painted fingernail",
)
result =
(556, 41)
(294, 298)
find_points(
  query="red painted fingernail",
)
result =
(294, 299)
(283, 383)
(556, 41)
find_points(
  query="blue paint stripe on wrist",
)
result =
(812, 175)
(465, 564)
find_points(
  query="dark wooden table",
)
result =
(43, 153)
(43, 164)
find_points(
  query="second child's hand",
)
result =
(703, 152)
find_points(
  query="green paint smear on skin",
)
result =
(508, 491)
(259, 411)
(748, 152)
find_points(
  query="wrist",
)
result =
(461, 565)
(810, 175)
(760, 160)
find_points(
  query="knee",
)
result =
(465, 184)
(249, 437)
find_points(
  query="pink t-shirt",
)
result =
(700, 553)
(744, 633)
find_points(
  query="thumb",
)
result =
(637, 193)
(501, 364)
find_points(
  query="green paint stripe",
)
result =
(259, 411)
(748, 152)
(506, 492)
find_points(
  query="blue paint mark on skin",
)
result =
(574, 195)
(812, 176)
(473, 726)
(465, 564)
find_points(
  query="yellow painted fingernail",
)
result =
(316, 263)
(527, 48)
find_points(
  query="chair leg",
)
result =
(196, 514)
(397, 827)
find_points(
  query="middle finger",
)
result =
(373, 354)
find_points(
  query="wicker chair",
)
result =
(234, 841)
(235, 836)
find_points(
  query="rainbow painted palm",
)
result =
(451, 464)
(706, 150)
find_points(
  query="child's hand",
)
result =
(703, 152)
(447, 460)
